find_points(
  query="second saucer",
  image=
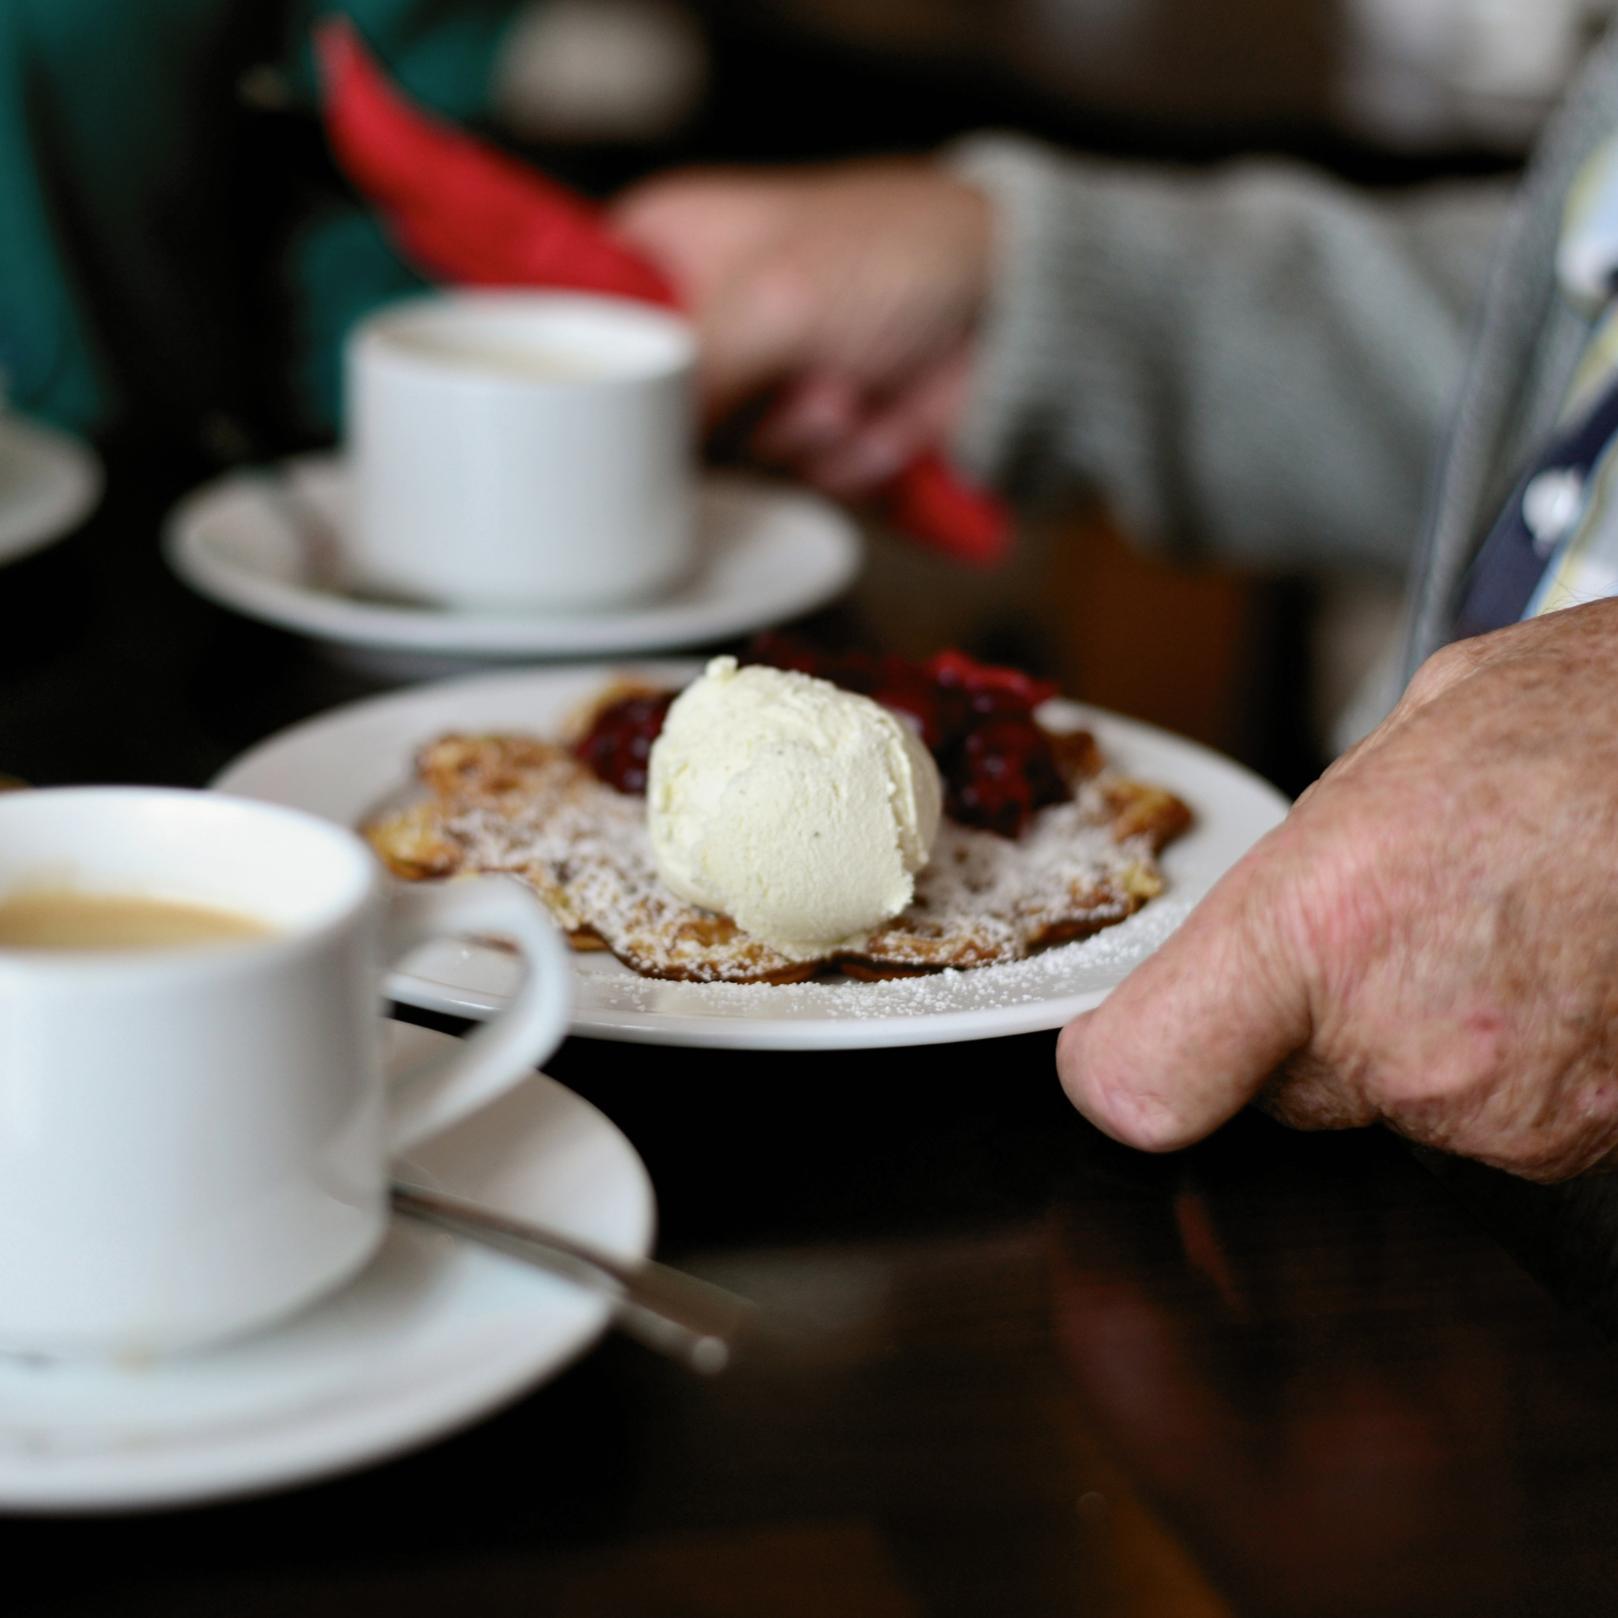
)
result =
(249, 541)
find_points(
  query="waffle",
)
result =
(528, 808)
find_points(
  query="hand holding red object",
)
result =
(465, 212)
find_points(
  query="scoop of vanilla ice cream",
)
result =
(801, 811)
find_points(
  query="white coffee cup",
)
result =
(195, 1141)
(521, 450)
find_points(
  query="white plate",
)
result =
(767, 553)
(346, 763)
(49, 481)
(434, 1334)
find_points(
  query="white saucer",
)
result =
(768, 553)
(434, 1334)
(49, 482)
(348, 763)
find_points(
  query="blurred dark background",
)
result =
(1379, 90)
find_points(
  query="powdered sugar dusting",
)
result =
(519, 805)
(1064, 971)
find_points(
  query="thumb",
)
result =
(1195, 1031)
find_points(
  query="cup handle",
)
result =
(440, 1092)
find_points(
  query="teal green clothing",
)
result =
(169, 255)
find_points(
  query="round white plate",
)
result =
(49, 481)
(347, 763)
(767, 553)
(434, 1334)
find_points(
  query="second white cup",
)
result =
(521, 450)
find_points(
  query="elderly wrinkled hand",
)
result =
(1429, 940)
(846, 294)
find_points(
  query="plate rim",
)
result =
(231, 1472)
(68, 478)
(341, 620)
(736, 1031)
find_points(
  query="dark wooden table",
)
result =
(1024, 1372)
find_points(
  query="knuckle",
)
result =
(1540, 1155)
(1447, 666)
(1339, 923)
(1489, 1085)
(1543, 1164)
(1444, 1085)
(1572, 1129)
(779, 296)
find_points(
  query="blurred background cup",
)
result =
(521, 450)
(194, 1140)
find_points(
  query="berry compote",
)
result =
(998, 765)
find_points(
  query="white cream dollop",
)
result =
(801, 811)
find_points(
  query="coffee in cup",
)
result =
(65, 918)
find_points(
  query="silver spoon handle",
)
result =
(666, 1309)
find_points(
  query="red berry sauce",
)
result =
(997, 763)
(619, 743)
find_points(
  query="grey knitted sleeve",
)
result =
(1256, 363)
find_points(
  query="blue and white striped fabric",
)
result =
(1556, 543)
